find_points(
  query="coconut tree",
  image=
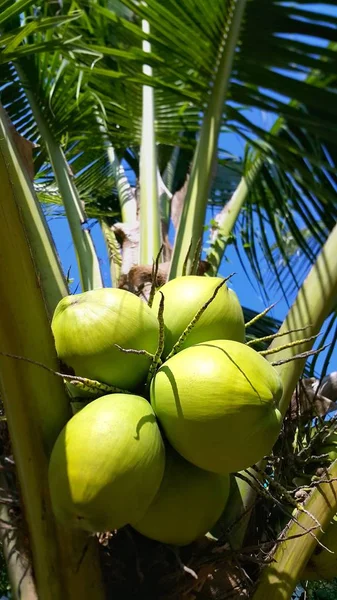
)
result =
(155, 85)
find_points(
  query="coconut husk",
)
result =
(314, 398)
(139, 278)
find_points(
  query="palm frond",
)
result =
(291, 209)
(271, 75)
(186, 38)
(100, 68)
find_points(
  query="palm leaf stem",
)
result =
(227, 218)
(47, 265)
(88, 263)
(126, 198)
(193, 215)
(314, 303)
(280, 577)
(36, 408)
(113, 252)
(150, 233)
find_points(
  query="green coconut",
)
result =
(228, 524)
(188, 503)
(87, 326)
(323, 564)
(184, 296)
(217, 403)
(107, 464)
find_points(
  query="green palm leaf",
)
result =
(291, 209)
(185, 39)
(269, 71)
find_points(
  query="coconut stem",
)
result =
(260, 315)
(156, 362)
(301, 356)
(155, 267)
(289, 345)
(268, 338)
(89, 385)
(134, 351)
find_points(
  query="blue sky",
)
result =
(248, 296)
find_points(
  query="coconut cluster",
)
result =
(157, 454)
